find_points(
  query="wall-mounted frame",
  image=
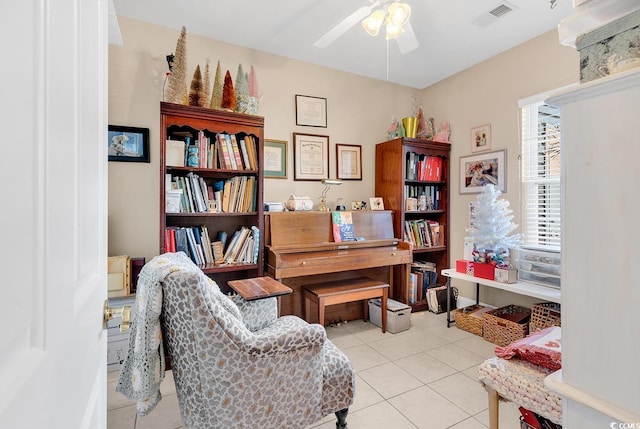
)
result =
(128, 144)
(481, 138)
(311, 111)
(275, 159)
(348, 161)
(478, 170)
(310, 156)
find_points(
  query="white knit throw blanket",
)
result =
(143, 369)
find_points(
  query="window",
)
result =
(540, 124)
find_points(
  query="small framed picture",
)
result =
(128, 144)
(376, 203)
(349, 161)
(478, 170)
(481, 138)
(358, 205)
(311, 111)
(275, 159)
(310, 157)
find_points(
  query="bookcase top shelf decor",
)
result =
(211, 189)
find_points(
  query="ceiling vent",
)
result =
(491, 16)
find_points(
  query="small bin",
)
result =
(505, 325)
(470, 318)
(398, 315)
(543, 315)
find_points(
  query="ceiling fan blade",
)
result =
(342, 27)
(408, 41)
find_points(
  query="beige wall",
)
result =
(488, 93)
(359, 111)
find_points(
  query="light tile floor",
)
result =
(425, 377)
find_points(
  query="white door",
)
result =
(53, 214)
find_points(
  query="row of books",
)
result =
(235, 195)
(193, 241)
(422, 277)
(432, 192)
(244, 246)
(424, 167)
(196, 243)
(223, 151)
(423, 233)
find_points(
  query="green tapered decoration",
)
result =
(218, 85)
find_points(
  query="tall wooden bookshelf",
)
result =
(177, 122)
(397, 177)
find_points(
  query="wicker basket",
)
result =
(501, 331)
(464, 319)
(544, 315)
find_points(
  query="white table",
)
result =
(522, 288)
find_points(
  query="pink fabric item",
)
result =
(542, 348)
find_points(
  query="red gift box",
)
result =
(465, 267)
(485, 271)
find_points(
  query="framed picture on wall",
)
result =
(275, 159)
(478, 170)
(128, 144)
(481, 138)
(310, 156)
(311, 111)
(349, 161)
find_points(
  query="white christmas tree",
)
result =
(492, 226)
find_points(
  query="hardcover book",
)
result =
(342, 226)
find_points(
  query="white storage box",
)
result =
(118, 342)
(398, 315)
(539, 267)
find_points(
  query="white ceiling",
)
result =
(449, 40)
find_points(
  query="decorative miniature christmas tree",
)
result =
(491, 228)
(254, 95)
(196, 92)
(216, 94)
(423, 131)
(228, 94)
(241, 90)
(177, 82)
(206, 85)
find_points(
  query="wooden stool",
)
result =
(342, 291)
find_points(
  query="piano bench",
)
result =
(348, 290)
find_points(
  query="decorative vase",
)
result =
(410, 126)
(252, 105)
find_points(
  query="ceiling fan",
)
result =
(392, 14)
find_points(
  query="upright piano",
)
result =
(300, 250)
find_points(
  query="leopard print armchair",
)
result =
(237, 365)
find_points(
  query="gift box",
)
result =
(505, 275)
(464, 266)
(482, 270)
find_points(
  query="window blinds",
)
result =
(540, 124)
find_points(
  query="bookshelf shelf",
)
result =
(403, 169)
(195, 125)
(211, 214)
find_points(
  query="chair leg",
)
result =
(342, 418)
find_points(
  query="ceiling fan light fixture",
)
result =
(373, 22)
(399, 13)
(393, 31)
